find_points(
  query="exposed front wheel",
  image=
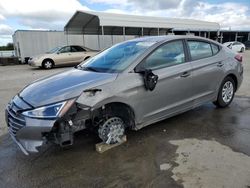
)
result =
(112, 130)
(47, 64)
(242, 49)
(226, 93)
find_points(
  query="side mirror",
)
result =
(150, 79)
(230, 46)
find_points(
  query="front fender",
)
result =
(100, 98)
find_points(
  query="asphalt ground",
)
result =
(204, 147)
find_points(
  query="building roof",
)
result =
(87, 22)
(234, 31)
(166, 38)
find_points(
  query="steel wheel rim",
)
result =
(112, 130)
(48, 64)
(227, 91)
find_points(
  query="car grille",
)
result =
(15, 120)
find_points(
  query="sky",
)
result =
(54, 14)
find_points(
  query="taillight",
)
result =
(239, 58)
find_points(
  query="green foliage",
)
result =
(9, 46)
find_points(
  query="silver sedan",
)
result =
(128, 86)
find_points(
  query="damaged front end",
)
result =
(54, 108)
(77, 118)
(25, 131)
(31, 127)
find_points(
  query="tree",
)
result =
(9, 46)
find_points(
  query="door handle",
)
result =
(220, 64)
(185, 74)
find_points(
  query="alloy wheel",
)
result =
(48, 65)
(227, 91)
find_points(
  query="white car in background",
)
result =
(66, 55)
(235, 46)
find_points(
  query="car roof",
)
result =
(169, 37)
(232, 42)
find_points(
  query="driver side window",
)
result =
(167, 55)
(65, 49)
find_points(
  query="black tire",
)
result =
(223, 100)
(242, 49)
(47, 64)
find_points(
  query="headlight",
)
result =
(36, 58)
(50, 111)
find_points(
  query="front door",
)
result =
(64, 56)
(173, 91)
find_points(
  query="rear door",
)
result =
(63, 56)
(78, 54)
(207, 68)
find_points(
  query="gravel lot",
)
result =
(205, 147)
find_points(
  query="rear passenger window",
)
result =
(215, 48)
(73, 49)
(79, 49)
(236, 43)
(166, 55)
(199, 49)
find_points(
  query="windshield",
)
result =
(116, 58)
(54, 50)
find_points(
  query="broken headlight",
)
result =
(50, 111)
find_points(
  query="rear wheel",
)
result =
(47, 64)
(226, 93)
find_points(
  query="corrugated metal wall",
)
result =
(31, 43)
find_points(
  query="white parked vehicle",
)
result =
(235, 46)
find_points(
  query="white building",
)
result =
(98, 30)
(28, 43)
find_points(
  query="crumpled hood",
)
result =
(63, 86)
